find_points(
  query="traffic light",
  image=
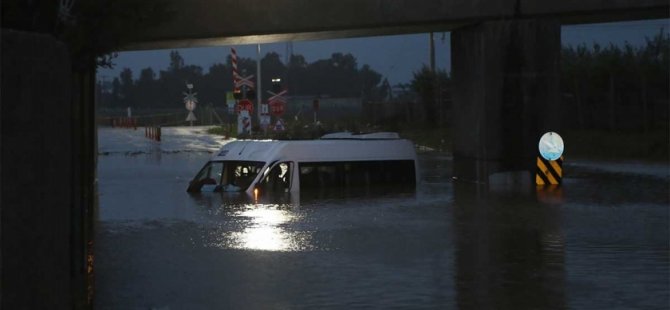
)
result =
(276, 85)
(237, 94)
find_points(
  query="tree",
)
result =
(145, 89)
(215, 84)
(297, 68)
(176, 61)
(615, 87)
(424, 83)
(337, 76)
(369, 80)
(344, 70)
(147, 76)
(126, 87)
(116, 92)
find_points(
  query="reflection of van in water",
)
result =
(336, 161)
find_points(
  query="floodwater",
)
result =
(601, 242)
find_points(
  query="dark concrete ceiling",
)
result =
(220, 22)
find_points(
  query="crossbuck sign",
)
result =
(245, 81)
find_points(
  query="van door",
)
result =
(278, 179)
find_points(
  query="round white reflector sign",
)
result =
(551, 146)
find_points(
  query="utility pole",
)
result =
(101, 99)
(258, 82)
(432, 54)
(436, 85)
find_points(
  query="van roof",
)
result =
(366, 136)
(333, 147)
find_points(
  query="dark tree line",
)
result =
(616, 87)
(338, 76)
(432, 90)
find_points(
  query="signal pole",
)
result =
(258, 82)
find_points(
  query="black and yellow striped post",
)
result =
(549, 172)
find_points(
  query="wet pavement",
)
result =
(602, 242)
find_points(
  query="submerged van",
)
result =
(339, 160)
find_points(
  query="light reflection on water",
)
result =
(263, 230)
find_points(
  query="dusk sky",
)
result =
(395, 57)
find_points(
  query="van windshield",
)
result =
(227, 176)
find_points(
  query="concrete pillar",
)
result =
(505, 94)
(43, 262)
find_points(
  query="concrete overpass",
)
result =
(505, 57)
(218, 22)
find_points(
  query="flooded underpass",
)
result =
(602, 242)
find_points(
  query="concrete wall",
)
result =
(36, 178)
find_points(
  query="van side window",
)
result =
(229, 176)
(208, 179)
(357, 174)
(211, 173)
(278, 179)
(238, 175)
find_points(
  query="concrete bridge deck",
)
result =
(219, 22)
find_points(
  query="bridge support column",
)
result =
(505, 94)
(47, 193)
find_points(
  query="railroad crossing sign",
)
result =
(277, 103)
(277, 108)
(279, 125)
(244, 105)
(191, 117)
(277, 96)
(190, 100)
(245, 81)
(190, 105)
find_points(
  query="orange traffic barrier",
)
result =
(153, 133)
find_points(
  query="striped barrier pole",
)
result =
(548, 178)
(549, 172)
(236, 76)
